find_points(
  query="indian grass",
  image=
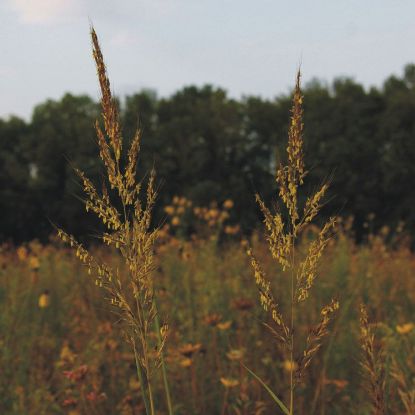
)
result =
(373, 364)
(282, 236)
(128, 230)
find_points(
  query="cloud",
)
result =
(44, 11)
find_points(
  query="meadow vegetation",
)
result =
(62, 350)
(83, 335)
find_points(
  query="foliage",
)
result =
(213, 330)
(208, 146)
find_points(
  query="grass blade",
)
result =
(267, 388)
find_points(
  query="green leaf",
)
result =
(267, 388)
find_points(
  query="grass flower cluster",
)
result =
(129, 231)
(282, 236)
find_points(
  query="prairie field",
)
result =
(62, 351)
(235, 289)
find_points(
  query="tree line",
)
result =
(208, 146)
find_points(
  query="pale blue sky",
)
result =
(246, 47)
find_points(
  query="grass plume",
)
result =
(373, 364)
(282, 236)
(128, 230)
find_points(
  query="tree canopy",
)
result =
(207, 146)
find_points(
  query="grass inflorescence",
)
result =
(129, 231)
(282, 237)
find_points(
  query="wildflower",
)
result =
(228, 204)
(169, 210)
(213, 213)
(69, 402)
(225, 325)
(44, 299)
(229, 382)
(289, 365)
(405, 328)
(189, 349)
(235, 354)
(67, 355)
(34, 263)
(77, 374)
(232, 230)
(22, 253)
(186, 362)
(175, 221)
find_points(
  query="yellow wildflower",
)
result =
(228, 204)
(22, 253)
(288, 365)
(225, 325)
(213, 213)
(34, 262)
(66, 354)
(169, 210)
(229, 382)
(175, 221)
(235, 354)
(405, 328)
(186, 362)
(232, 230)
(44, 299)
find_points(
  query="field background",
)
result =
(65, 355)
(61, 347)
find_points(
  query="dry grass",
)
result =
(282, 236)
(129, 231)
(373, 364)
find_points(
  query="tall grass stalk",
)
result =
(126, 214)
(373, 364)
(282, 235)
